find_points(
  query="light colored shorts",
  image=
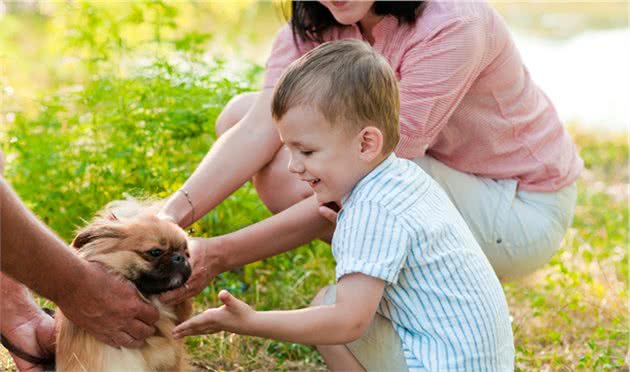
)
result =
(380, 348)
(519, 231)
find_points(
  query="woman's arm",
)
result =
(296, 225)
(358, 296)
(233, 159)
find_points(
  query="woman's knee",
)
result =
(234, 111)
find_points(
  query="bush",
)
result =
(144, 135)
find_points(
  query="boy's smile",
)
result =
(322, 154)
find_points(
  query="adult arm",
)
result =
(34, 256)
(210, 184)
(243, 150)
(344, 321)
(233, 159)
(296, 225)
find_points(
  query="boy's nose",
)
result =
(295, 166)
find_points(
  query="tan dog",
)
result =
(152, 253)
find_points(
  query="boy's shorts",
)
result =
(380, 348)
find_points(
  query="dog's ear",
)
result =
(97, 231)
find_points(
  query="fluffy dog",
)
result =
(131, 241)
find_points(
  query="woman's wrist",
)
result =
(217, 254)
(177, 209)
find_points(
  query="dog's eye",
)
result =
(155, 252)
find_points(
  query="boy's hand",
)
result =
(330, 211)
(234, 316)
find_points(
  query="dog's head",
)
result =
(135, 243)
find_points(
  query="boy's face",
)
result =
(324, 156)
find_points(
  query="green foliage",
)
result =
(143, 134)
(142, 131)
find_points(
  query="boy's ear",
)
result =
(371, 139)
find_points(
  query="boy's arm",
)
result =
(357, 298)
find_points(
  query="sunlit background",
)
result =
(577, 51)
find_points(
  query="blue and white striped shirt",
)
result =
(441, 293)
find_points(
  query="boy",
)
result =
(403, 252)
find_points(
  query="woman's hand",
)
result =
(234, 316)
(204, 269)
(330, 211)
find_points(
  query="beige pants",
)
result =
(380, 348)
(519, 231)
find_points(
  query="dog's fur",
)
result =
(121, 238)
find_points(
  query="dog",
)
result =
(130, 240)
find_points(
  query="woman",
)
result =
(471, 117)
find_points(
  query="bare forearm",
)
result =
(320, 325)
(297, 225)
(31, 253)
(233, 159)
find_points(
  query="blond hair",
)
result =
(346, 81)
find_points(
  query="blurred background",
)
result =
(578, 51)
(100, 99)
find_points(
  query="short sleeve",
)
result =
(370, 240)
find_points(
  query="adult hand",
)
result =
(330, 211)
(203, 270)
(33, 333)
(234, 316)
(110, 308)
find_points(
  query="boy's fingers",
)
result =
(226, 297)
(196, 325)
(328, 214)
(182, 332)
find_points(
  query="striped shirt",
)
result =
(466, 98)
(441, 294)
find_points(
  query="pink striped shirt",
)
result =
(465, 96)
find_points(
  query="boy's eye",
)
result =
(155, 252)
(306, 153)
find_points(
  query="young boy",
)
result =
(403, 252)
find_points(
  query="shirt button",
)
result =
(499, 241)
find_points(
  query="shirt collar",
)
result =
(368, 178)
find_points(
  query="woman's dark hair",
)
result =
(310, 18)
